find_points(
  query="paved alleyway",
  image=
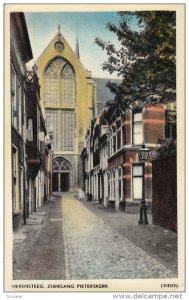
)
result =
(74, 243)
(41, 254)
(157, 241)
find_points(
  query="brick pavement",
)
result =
(74, 243)
(41, 254)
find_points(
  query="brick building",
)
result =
(112, 170)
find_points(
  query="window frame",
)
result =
(120, 183)
(16, 180)
(137, 176)
(14, 104)
(170, 126)
(115, 141)
(60, 86)
(137, 123)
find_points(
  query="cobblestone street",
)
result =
(75, 243)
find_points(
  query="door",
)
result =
(64, 182)
(55, 182)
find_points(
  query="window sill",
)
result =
(116, 154)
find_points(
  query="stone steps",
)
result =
(36, 218)
(40, 213)
(34, 221)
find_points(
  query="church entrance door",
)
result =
(65, 182)
(61, 175)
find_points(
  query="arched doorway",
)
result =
(61, 177)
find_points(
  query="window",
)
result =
(19, 101)
(137, 128)
(63, 125)
(111, 185)
(120, 183)
(59, 84)
(67, 86)
(110, 143)
(53, 122)
(52, 78)
(51, 87)
(170, 131)
(66, 130)
(108, 178)
(170, 126)
(113, 182)
(15, 179)
(114, 143)
(61, 165)
(137, 182)
(24, 118)
(60, 94)
(116, 137)
(30, 130)
(38, 127)
(16, 102)
(13, 99)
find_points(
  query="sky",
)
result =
(43, 26)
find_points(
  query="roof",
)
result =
(103, 93)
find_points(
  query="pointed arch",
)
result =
(61, 164)
(62, 175)
(59, 78)
(67, 87)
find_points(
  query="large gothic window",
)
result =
(52, 82)
(68, 126)
(60, 103)
(61, 165)
(53, 123)
(59, 84)
(62, 123)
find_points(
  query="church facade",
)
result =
(68, 101)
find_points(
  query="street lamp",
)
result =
(143, 156)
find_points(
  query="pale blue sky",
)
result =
(42, 28)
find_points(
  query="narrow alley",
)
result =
(74, 243)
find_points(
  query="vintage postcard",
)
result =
(94, 148)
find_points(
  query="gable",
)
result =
(59, 47)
